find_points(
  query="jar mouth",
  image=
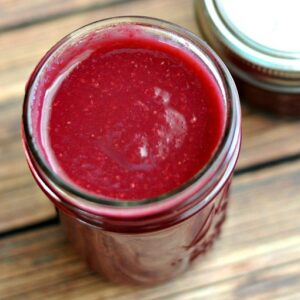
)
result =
(231, 134)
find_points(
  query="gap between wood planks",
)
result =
(267, 164)
(239, 172)
(76, 11)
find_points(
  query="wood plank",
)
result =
(17, 13)
(21, 201)
(265, 138)
(257, 256)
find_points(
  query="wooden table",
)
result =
(258, 254)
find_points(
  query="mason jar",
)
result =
(150, 240)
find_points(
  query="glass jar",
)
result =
(141, 241)
(258, 41)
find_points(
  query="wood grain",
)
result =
(257, 256)
(265, 138)
(15, 14)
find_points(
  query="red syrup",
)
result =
(136, 118)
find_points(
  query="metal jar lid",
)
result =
(259, 40)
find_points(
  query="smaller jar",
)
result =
(149, 240)
(259, 42)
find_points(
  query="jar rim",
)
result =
(231, 134)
